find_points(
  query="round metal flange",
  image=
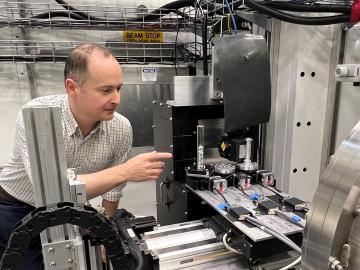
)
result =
(248, 166)
(224, 168)
(332, 220)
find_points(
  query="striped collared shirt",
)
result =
(108, 144)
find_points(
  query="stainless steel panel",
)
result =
(245, 77)
(192, 90)
(137, 106)
(302, 100)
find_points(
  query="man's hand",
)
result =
(140, 168)
(143, 167)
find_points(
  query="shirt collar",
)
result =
(70, 124)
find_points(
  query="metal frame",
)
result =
(62, 245)
(109, 18)
(305, 60)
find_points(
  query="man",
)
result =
(97, 143)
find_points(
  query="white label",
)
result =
(131, 233)
(149, 74)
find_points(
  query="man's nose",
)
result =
(116, 97)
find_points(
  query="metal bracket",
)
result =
(56, 254)
(347, 73)
(77, 188)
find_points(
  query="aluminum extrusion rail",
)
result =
(61, 213)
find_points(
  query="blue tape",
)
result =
(223, 206)
(254, 196)
(296, 218)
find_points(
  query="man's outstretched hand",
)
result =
(146, 166)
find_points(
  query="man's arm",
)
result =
(137, 169)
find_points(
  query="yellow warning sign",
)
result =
(143, 36)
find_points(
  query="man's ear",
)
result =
(71, 86)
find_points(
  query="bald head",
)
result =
(76, 66)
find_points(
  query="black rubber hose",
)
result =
(53, 14)
(153, 15)
(80, 13)
(136, 254)
(308, 7)
(296, 19)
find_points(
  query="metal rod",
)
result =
(200, 147)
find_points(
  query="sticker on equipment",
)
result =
(149, 74)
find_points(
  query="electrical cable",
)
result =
(346, 9)
(305, 20)
(226, 201)
(53, 14)
(228, 247)
(231, 15)
(288, 218)
(279, 193)
(270, 8)
(267, 228)
(163, 10)
(270, 230)
(296, 19)
(243, 191)
(291, 264)
(82, 14)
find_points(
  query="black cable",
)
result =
(53, 14)
(296, 19)
(226, 201)
(84, 15)
(270, 8)
(243, 191)
(346, 9)
(163, 10)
